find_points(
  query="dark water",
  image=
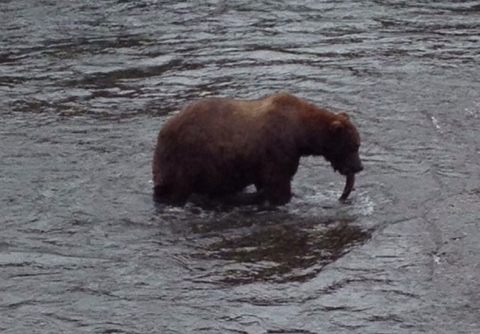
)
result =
(84, 88)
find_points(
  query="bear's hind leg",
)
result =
(176, 195)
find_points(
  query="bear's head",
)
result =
(342, 145)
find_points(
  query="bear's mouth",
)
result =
(342, 170)
(349, 174)
(346, 171)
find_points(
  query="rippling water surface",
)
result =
(84, 88)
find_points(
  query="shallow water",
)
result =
(84, 88)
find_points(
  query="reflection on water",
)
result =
(285, 253)
(84, 88)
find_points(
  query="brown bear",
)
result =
(219, 146)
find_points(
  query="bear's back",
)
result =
(224, 120)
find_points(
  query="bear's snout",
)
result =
(358, 168)
(350, 165)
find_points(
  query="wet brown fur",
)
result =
(219, 146)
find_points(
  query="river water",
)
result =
(84, 89)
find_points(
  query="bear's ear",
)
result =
(344, 115)
(336, 127)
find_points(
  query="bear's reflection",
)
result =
(276, 246)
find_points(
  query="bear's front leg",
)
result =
(278, 191)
